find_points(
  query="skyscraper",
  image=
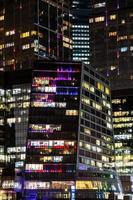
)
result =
(111, 43)
(68, 126)
(122, 101)
(81, 10)
(34, 28)
(69, 122)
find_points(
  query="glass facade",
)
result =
(111, 43)
(32, 29)
(69, 134)
(80, 30)
(53, 128)
(123, 136)
(14, 105)
(57, 133)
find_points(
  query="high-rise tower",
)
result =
(81, 10)
(57, 116)
(34, 28)
(111, 42)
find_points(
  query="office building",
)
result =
(81, 11)
(32, 29)
(111, 42)
(122, 101)
(14, 105)
(69, 141)
(58, 130)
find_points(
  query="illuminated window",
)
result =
(113, 67)
(87, 131)
(120, 113)
(123, 125)
(26, 46)
(8, 33)
(9, 45)
(107, 91)
(97, 106)
(112, 17)
(88, 87)
(123, 119)
(34, 167)
(99, 5)
(33, 32)
(123, 49)
(24, 35)
(112, 33)
(91, 20)
(100, 86)
(50, 128)
(72, 112)
(105, 159)
(131, 48)
(9, 62)
(2, 17)
(36, 185)
(116, 101)
(99, 19)
(85, 100)
(124, 37)
(1, 46)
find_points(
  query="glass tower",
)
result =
(123, 136)
(111, 42)
(69, 140)
(34, 29)
(81, 11)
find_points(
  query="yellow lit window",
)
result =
(71, 112)
(88, 87)
(9, 62)
(112, 17)
(97, 106)
(112, 33)
(2, 18)
(8, 33)
(100, 86)
(24, 35)
(93, 185)
(124, 37)
(99, 19)
(67, 45)
(116, 101)
(107, 91)
(33, 32)
(1, 46)
(85, 100)
(113, 67)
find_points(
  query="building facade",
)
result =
(34, 28)
(81, 10)
(111, 44)
(69, 141)
(123, 136)
(58, 130)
